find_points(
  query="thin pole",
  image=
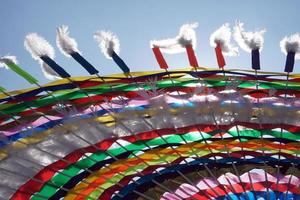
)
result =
(281, 134)
(261, 134)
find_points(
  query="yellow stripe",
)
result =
(137, 74)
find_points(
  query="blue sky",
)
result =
(137, 22)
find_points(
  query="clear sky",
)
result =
(136, 22)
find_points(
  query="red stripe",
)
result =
(220, 57)
(81, 102)
(160, 58)
(191, 56)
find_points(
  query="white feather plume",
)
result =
(248, 41)
(5, 60)
(48, 72)
(108, 42)
(64, 42)
(187, 35)
(37, 46)
(291, 44)
(222, 36)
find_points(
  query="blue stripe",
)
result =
(120, 63)
(84, 63)
(58, 69)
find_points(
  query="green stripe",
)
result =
(2, 89)
(22, 73)
(73, 170)
(65, 95)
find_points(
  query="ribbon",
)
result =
(84, 63)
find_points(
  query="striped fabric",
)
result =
(169, 135)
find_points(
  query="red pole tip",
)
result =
(220, 57)
(160, 58)
(191, 56)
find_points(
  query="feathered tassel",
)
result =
(291, 47)
(10, 62)
(221, 41)
(250, 42)
(68, 47)
(187, 35)
(64, 42)
(184, 41)
(110, 47)
(43, 52)
(5, 61)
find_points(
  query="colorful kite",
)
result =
(194, 133)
